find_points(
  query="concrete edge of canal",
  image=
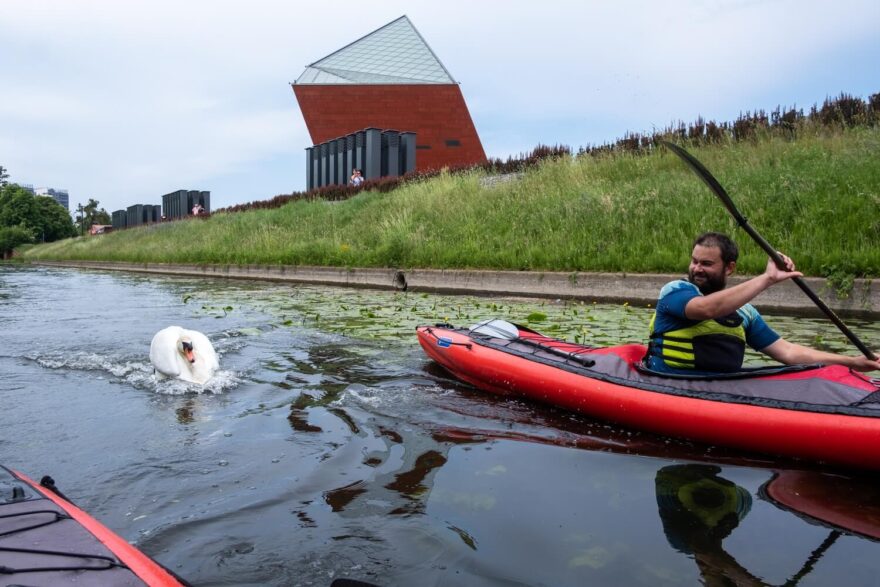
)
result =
(636, 289)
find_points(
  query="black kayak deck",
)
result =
(40, 544)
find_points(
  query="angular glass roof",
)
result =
(393, 54)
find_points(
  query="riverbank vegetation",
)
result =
(26, 218)
(813, 192)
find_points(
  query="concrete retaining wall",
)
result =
(637, 289)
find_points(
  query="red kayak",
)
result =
(46, 540)
(827, 414)
(839, 503)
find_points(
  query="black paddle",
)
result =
(496, 328)
(716, 188)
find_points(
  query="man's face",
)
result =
(707, 271)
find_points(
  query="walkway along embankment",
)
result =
(863, 301)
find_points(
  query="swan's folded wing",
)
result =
(163, 352)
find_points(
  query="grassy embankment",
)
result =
(816, 198)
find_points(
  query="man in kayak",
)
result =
(700, 327)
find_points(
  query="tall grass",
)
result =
(816, 198)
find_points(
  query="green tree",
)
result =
(45, 218)
(13, 236)
(17, 206)
(102, 216)
(92, 215)
(53, 221)
(4, 176)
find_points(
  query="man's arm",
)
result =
(731, 299)
(795, 354)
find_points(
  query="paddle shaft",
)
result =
(507, 331)
(555, 351)
(807, 290)
(716, 188)
(813, 559)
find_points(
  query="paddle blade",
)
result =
(707, 178)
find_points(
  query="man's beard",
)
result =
(711, 284)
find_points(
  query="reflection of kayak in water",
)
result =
(825, 414)
(46, 540)
(698, 508)
(840, 503)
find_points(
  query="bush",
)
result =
(13, 236)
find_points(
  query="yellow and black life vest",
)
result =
(717, 345)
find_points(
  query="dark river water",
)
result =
(328, 446)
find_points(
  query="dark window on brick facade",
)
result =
(453, 143)
(423, 146)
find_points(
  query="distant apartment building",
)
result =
(60, 196)
(180, 204)
(28, 186)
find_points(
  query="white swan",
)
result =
(183, 354)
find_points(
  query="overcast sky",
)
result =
(125, 100)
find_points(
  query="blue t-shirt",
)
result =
(675, 295)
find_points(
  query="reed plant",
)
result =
(816, 197)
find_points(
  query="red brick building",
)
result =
(390, 79)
